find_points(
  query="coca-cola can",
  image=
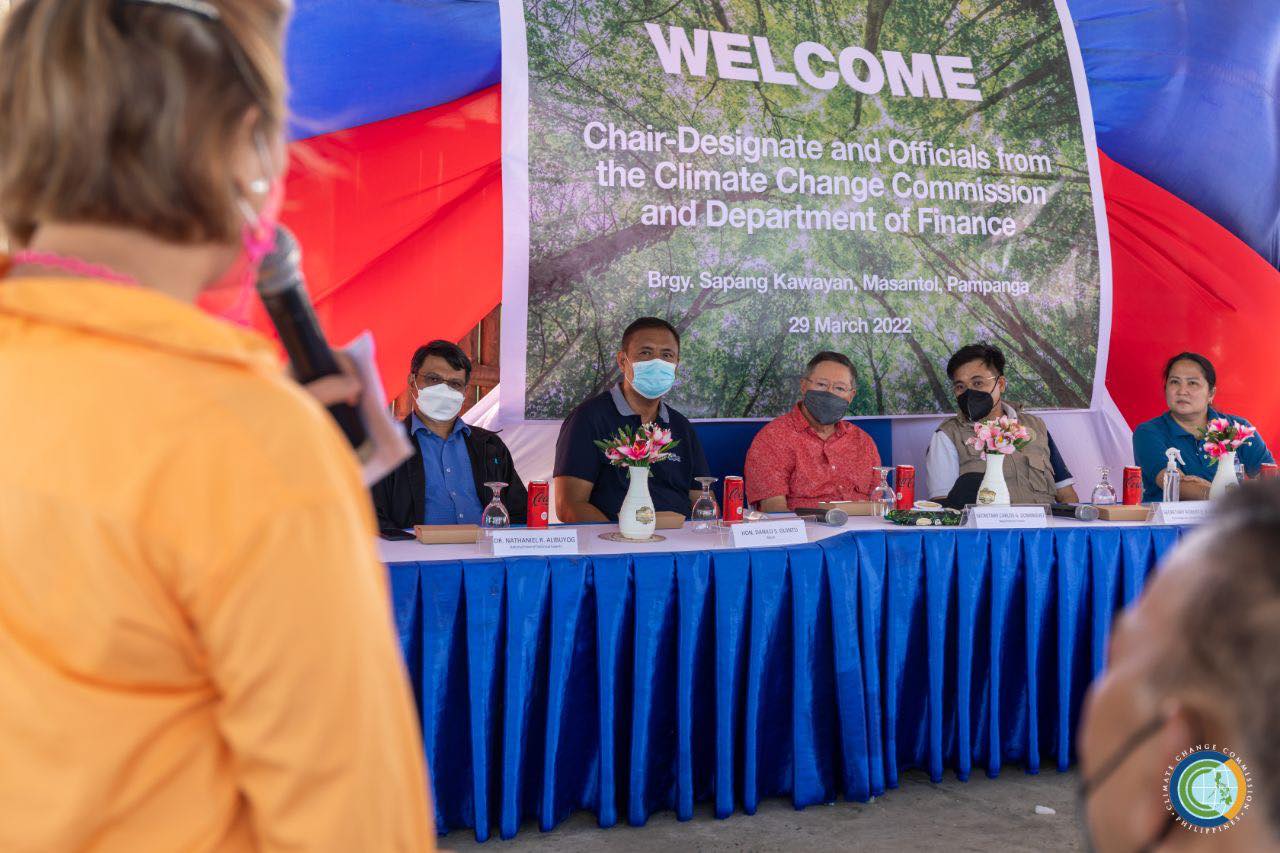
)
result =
(904, 477)
(734, 492)
(1269, 469)
(1132, 485)
(539, 498)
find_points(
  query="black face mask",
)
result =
(976, 405)
(825, 407)
(1088, 786)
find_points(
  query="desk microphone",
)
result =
(1080, 512)
(285, 297)
(834, 517)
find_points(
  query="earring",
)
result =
(262, 185)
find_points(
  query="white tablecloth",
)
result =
(684, 539)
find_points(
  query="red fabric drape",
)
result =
(401, 226)
(1183, 282)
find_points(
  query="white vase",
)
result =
(1225, 477)
(994, 491)
(636, 519)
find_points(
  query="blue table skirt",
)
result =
(629, 684)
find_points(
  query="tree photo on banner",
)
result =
(890, 180)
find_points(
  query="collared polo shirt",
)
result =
(789, 459)
(446, 467)
(1152, 438)
(598, 419)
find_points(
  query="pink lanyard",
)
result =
(71, 265)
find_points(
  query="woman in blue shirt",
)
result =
(1189, 385)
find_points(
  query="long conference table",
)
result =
(635, 678)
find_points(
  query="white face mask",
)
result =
(440, 402)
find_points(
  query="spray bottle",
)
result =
(1172, 476)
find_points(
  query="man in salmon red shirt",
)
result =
(811, 454)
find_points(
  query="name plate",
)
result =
(782, 531)
(523, 542)
(1181, 512)
(1006, 517)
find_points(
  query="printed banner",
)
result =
(887, 180)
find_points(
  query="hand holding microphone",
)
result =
(342, 387)
(314, 363)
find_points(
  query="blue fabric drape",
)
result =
(631, 684)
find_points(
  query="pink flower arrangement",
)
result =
(1002, 435)
(641, 448)
(1222, 436)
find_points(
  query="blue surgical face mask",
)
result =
(652, 378)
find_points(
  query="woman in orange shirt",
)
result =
(196, 648)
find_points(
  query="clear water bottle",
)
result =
(1172, 477)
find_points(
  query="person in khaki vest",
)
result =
(1035, 475)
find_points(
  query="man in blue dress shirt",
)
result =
(443, 482)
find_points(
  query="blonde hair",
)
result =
(128, 114)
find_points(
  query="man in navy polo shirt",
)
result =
(587, 487)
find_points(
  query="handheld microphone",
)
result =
(284, 295)
(834, 517)
(1080, 512)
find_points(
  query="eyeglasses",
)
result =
(839, 388)
(977, 383)
(426, 380)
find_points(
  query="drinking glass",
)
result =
(883, 496)
(706, 512)
(495, 515)
(1104, 494)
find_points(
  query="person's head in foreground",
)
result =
(1194, 663)
(649, 356)
(977, 379)
(829, 384)
(438, 377)
(146, 138)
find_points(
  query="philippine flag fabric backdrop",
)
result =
(776, 183)
(401, 219)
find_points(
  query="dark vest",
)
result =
(1028, 473)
